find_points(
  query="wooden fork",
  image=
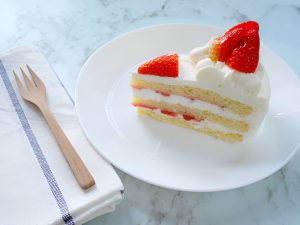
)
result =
(36, 94)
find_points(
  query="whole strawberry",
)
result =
(238, 47)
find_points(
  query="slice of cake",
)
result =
(219, 89)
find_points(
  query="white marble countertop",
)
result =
(68, 31)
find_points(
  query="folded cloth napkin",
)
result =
(37, 185)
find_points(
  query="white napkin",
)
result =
(37, 186)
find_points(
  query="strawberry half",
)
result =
(164, 66)
(238, 47)
(245, 56)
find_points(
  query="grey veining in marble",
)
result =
(68, 31)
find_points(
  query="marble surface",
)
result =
(68, 31)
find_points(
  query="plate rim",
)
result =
(229, 187)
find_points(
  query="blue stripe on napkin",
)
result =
(59, 198)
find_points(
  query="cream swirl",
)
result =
(221, 75)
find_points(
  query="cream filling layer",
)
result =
(196, 124)
(254, 120)
(227, 89)
(148, 94)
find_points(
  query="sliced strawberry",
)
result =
(245, 56)
(163, 93)
(224, 46)
(188, 117)
(143, 106)
(169, 113)
(164, 66)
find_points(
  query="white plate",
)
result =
(167, 155)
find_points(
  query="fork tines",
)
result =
(33, 86)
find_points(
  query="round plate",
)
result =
(167, 155)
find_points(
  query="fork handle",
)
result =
(81, 173)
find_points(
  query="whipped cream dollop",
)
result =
(218, 73)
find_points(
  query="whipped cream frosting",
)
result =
(197, 70)
(218, 73)
(148, 94)
(197, 125)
